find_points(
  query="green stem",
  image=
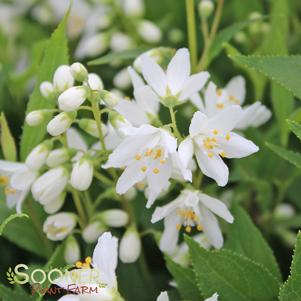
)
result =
(88, 203)
(102, 178)
(79, 208)
(191, 28)
(97, 117)
(174, 123)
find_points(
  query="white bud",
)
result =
(109, 98)
(34, 118)
(122, 79)
(57, 157)
(79, 72)
(284, 211)
(90, 127)
(72, 250)
(240, 37)
(93, 231)
(121, 42)
(56, 204)
(63, 79)
(149, 32)
(95, 82)
(60, 123)
(175, 35)
(133, 8)
(47, 89)
(130, 246)
(37, 157)
(206, 8)
(114, 218)
(82, 174)
(59, 226)
(73, 98)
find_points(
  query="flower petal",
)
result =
(194, 84)
(198, 123)
(75, 140)
(185, 151)
(213, 298)
(237, 88)
(178, 70)
(211, 99)
(7, 167)
(169, 239)
(23, 179)
(137, 81)
(147, 99)
(197, 100)
(162, 212)
(163, 297)
(69, 298)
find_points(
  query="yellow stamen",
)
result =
(138, 157)
(4, 180)
(88, 260)
(222, 154)
(178, 226)
(140, 185)
(9, 191)
(228, 137)
(233, 99)
(148, 152)
(219, 92)
(158, 154)
(199, 227)
(79, 264)
(162, 161)
(143, 168)
(220, 106)
(188, 229)
(210, 155)
(215, 132)
(156, 170)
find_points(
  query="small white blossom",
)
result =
(79, 72)
(62, 78)
(37, 157)
(47, 89)
(56, 204)
(82, 174)
(130, 246)
(60, 123)
(122, 79)
(72, 250)
(114, 217)
(149, 32)
(73, 98)
(34, 118)
(133, 8)
(93, 231)
(95, 82)
(58, 157)
(121, 41)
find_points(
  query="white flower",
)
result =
(104, 263)
(122, 79)
(130, 246)
(59, 226)
(133, 8)
(206, 7)
(79, 72)
(163, 297)
(93, 231)
(56, 204)
(121, 41)
(60, 123)
(48, 187)
(72, 250)
(90, 127)
(214, 297)
(191, 209)
(58, 157)
(62, 78)
(216, 100)
(95, 82)
(146, 153)
(114, 217)
(16, 180)
(47, 89)
(109, 98)
(176, 85)
(37, 157)
(34, 118)
(73, 98)
(149, 31)
(82, 174)
(212, 139)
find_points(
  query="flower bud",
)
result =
(130, 246)
(149, 32)
(72, 250)
(93, 231)
(90, 127)
(73, 98)
(59, 226)
(240, 37)
(82, 174)
(206, 8)
(79, 72)
(121, 42)
(34, 118)
(63, 79)
(284, 211)
(37, 157)
(60, 123)
(133, 8)
(109, 98)
(57, 157)
(55, 205)
(175, 35)
(95, 82)
(122, 79)
(114, 218)
(47, 89)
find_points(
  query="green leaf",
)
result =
(244, 238)
(7, 141)
(185, 279)
(292, 157)
(56, 54)
(118, 56)
(291, 290)
(11, 218)
(284, 70)
(8, 294)
(233, 276)
(295, 127)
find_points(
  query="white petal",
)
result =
(136, 79)
(23, 179)
(154, 75)
(216, 206)
(162, 212)
(213, 298)
(237, 88)
(178, 70)
(69, 298)
(185, 151)
(7, 167)
(163, 297)
(198, 123)
(17, 199)
(147, 99)
(263, 114)
(197, 100)
(105, 258)
(213, 167)
(238, 147)
(169, 239)
(211, 228)
(211, 99)
(194, 84)
(75, 140)
(168, 141)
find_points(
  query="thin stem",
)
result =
(79, 208)
(174, 123)
(97, 117)
(102, 178)
(191, 28)
(217, 18)
(88, 203)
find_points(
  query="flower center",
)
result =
(189, 219)
(85, 264)
(233, 99)
(4, 180)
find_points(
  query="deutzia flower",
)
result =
(191, 209)
(215, 100)
(211, 139)
(82, 174)
(130, 246)
(146, 153)
(176, 85)
(104, 281)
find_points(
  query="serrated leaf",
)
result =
(244, 238)
(7, 141)
(295, 127)
(56, 54)
(185, 279)
(292, 157)
(118, 56)
(291, 289)
(11, 218)
(233, 276)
